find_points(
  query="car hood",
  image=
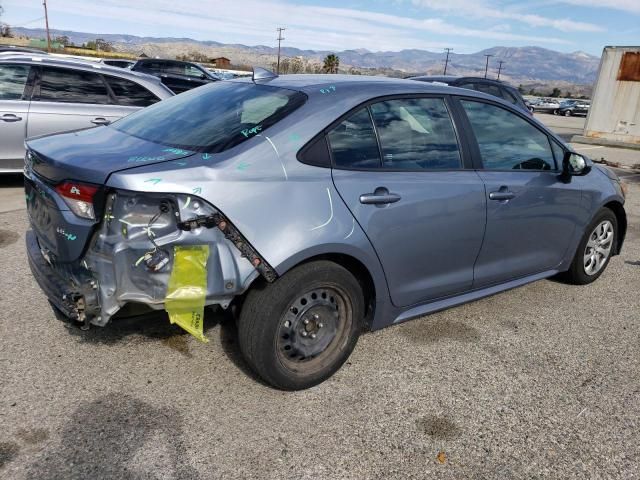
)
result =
(93, 154)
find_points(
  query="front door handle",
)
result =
(380, 196)
(100, 121)
(502, 194)
(10, 117)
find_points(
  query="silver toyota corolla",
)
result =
(317, 206)
(41, 94)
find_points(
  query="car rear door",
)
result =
(69, 99)
(531, 212)
(398, 165)
(14, 108)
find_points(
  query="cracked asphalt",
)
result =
(538, 382)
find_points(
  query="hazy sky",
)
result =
(465, 25)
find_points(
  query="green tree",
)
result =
(555, 93)
(62, 40)
(331, 63)
(102, 45)
(5, 29)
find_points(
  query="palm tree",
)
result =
(331, 63)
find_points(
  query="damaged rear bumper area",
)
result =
(159, 251)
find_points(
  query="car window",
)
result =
(13, 80)
(191, 71)
(509, 97)
(506, 140)
(353, 142)
(416, 134)
(488, 89)
(213, 118)
(129, 93)
(155, 66)
(173, 68)
(74, 86)
(558, 152)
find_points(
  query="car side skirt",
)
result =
(437, 305)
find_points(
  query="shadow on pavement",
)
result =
(11, 180)
(103, 437)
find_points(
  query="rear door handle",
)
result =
(380, 196)
(10, 117)
(502, 195)
(100, 121)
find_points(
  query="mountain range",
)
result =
(521, 64)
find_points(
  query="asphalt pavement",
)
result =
(538, 382)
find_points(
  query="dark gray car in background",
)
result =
(485, 85)
(313, 207)
(41, 95)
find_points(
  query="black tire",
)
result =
(272, 325)
(567, 113)
(555, 112)
(577, 273)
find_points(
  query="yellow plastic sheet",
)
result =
(187, 289)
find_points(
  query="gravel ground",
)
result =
(538, 382)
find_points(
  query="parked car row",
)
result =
(564, 107)
(42, 95)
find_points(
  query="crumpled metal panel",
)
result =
(131, 255)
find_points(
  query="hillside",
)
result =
(522, 64)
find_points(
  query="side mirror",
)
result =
(574, 164)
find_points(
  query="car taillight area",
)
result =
(79, 197)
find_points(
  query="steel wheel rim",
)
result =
(598, 248)
(313, 329)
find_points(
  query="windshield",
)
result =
(212, 118)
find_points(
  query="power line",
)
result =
(280, 38)
(500, 68)
(446, 62)
(486, 67)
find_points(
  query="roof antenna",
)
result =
(262, 74)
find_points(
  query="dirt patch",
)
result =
(440, 330)
(441, 428)
(8, 451)
(7, 238)
(33, 437)
(179, 343)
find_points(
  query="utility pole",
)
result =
(446, 62)
(280, 38)
(500, 62)
(46, 21)
(486, 67)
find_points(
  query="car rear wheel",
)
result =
(298, 331)
(567, 113)
(595, 249)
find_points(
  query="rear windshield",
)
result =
(212, 118)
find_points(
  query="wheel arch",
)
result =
(621, 217)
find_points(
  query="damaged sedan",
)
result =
(317, 206)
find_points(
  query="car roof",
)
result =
(79, 64)
(458, 78)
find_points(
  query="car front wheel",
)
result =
(595, 249)
(298, 331)
(567, 113)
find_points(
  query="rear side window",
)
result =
(353, 142)
(129, 93)
(72, 86)
(509, 97)
(155, 66)
(507, 141)
(416, 134)
(13, 80)
(213, 118)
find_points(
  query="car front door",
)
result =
(398, 166)
(67, 99)
(14, 108)
(531, 212)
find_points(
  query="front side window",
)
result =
(507, 141)
(353, 142)
(72, 86)
(213, 118)
(13, 80)
(416, 134)
(129, 93)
